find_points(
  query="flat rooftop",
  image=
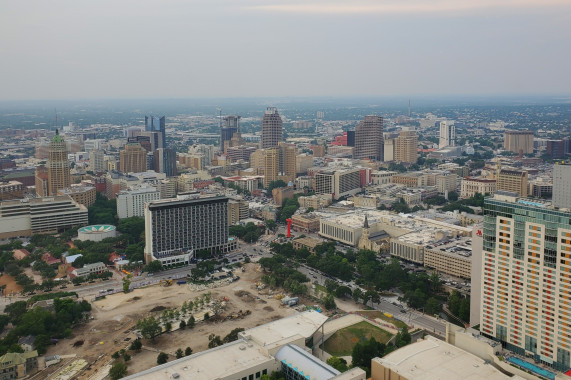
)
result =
(435, 359)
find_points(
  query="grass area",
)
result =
(320, 288)
(377, 314)
(341, 343)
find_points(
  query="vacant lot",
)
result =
(341, 343)
(373, 314)
(11, 286)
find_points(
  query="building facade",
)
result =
(512, 180)
(338, 183)
(369, 141)
(447, 134)
(157, 125)
(271, 128)
(132, 202)
(84, 195)
(133, 158)
(562, 185)
(518, 141)
(470, 186)
(405, 147)
(58, 165)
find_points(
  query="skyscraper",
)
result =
(518, 141)
(526, 281)
(512, 180)
(58, 165)
(231, 125)
(405, 147)
(369, 142)
(156, 124)
(165, 161)
(562, 185)
(271, 128)
(447, 134)
(133, 158)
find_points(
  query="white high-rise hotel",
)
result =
(447, 134)
(526, 278)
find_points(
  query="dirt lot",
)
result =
(11, 286)
(115, 316)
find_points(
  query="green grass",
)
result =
(341, 343)
(320, 288)
(377, 314)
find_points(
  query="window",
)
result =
(257, 375)
(251, 377)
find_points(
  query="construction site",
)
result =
(239, 303)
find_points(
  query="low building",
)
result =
(238, 209)
(281, 194)
(11, 190)
(27, 343)
(20, 254)
(450, 257)
(306, 242)
(470, 186)
(432, 358)
(305, 223)
(90, 268)
(97, 232)
(382, 177)
(14, 365)
(316, 202)
(84, 195)
(49, 259)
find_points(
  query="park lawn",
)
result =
(341, 343)
(377, 314)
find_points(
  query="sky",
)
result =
(83, 49)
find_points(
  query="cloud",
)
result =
(403, 6)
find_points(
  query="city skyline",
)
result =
(62, 50)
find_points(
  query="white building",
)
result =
(132, 202)
(338, 182)
(562, 185)
(447, 134)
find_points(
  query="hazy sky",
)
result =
(233, 48)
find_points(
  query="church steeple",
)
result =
(366, 224)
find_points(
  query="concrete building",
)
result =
(472, 185)
(133, 158)
(512, 180)
(446, 182)
(165, 161)
(240, 152)
(26, 217)
(156, 125)
(447, 134)
(97, 161)
(526, 282)
(307, 242)
(58, 166)
(452, 257)
(275, 346)
(41, 181)
(174, 228)
(405, 147)
(88, 269)
(562, 185)
(412, 179)
(432, 358)
(271, 128)
(238, 209)
(305, 223)
(338, 183)
(230, 125)
(315, 201)
(84, 195)
(302, 163)
(518, 141)
(280, 194)
(369, 141)
(389, 149)
(132, 202)
(382, 177)
(540, 188)
(11, 190)
(271, 165)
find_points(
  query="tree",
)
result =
(118, 370)
(126, 357)
(126, 283)
(271, 224)
(233, 335)
(154, 266)
(432, 306)
(453, 196)
(136, 345)
(339, 364)
(329, 302)
(191, 322)
(357, 295)
(162, 358)
(435, 282)
(187, 351)
(363, 352)
(214, 341)
(149, 327)
(464, 309)
(206, 316)
(182, 325)
(168, 326)
(402, 338)
(179, 354)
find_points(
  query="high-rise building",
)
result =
(231, 125)
(165, 161)
(526, 281)
(287, 161)
(447, 134)
(41, 181)
(271, 165)
(97, 161)
(555, 148)
(405, 147)
(512, 180)
(369, 141)
(175, 227)
(133, 158)
(58, 166)
(156, 124)
(132, 202)
(518, 141)
(338, 183)
(562, 185)
(271, 128)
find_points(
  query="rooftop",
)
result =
(434, 359)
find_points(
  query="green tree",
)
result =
(182, 325)
(464, 309)
(118, 370)
(453, 196)
(136, 345)
(233, 335)
(339, 364)
(402, 338)
(432, 306)
(271, 224)
(364, 352)
(149, 327)
(191, 322)
(168, 326)
(131, 228)
(187, 351)
(329, 302)
(162, 358)
(126, 283)
(357, 295)
(275, 184)
(179, 354)
(154, 266)
(214, 341)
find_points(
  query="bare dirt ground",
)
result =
(11, 286)
(115, 317)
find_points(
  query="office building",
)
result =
(156, 124)
(447, 134)
(526, 281)
(271, 165)
(133, 158)
(338, 183)
(287, 161)
(132, 202)
(238, 209)
(26, 217)
(405, 147)
(11, 190)
(472, 185)
(165, 161)
(58, 165)
(562, 185)
(512, 180)
(369, 141)
(555, 148)
(241, 152)
(520, 142)
(176, 228)
(84, 195)
(231, 125)
(97, 161)
(453, 257)
(41, 181)
(271, 128)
